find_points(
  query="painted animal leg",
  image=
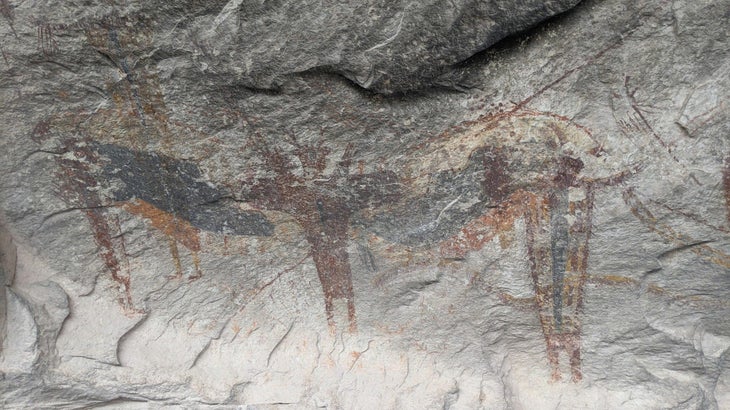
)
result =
(572, 347)
(570, 344)
(542, 256)
(102, 236)
(325, 229)
(196, 264)
(333, 269)
(554, 345)
(175, 253)
(177, 231)
(187, 235)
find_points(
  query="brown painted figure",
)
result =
(124, 144)
(322, 203)
(558, 230)
(544, 170)
(168, 193)
(104, 162)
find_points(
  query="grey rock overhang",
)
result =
(386, 46)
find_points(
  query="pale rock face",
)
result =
(350, 205)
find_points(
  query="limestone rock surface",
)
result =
(354, 205)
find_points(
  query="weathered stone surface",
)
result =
(386, 46)
(202, 206)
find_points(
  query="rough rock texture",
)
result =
(351, 205)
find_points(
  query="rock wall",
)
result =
(375, 204)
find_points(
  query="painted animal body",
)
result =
(557, 233)
(168, 193)
(541, 169)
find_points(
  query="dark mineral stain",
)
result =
(559, 249)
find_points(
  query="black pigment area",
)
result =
(177, 187)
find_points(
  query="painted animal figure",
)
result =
(109, 158)
(321, 194)
(169, 193)
(539, 168)
(557, 232)
(111, 162)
